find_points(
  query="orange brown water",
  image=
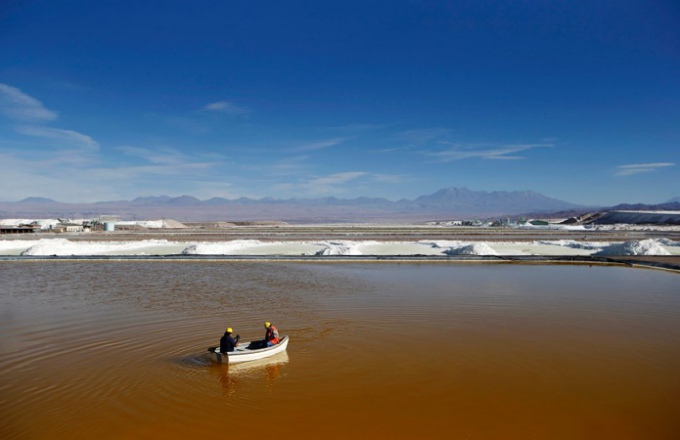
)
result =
(399, 351)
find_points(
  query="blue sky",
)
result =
(112, 100)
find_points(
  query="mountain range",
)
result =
(448, 203)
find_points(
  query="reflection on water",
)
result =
(268, 370)
(117, 350)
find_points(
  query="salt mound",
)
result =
(12, 245)
(472, 249)
(644, 247)
(173, 224)
(443, 243)
(47, 246)
(338, 248)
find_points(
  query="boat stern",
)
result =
(218, 357)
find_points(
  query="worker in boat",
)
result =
(272, 335)
(227, 343)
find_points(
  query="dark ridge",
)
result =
(37, 200)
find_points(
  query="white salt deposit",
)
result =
(644, 247)
(443, 244)
(153, 224)
(14, 247)
(44, 223)
(472, 249)
(63, 247)
(338, 248)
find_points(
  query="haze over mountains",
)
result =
(448, 203)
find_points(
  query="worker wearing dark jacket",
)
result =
(272, 335)
(227, 343)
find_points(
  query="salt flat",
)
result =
(353, 239)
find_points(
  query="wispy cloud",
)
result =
(68, 137)
(423, 135)
(160, 156)
(493, 152)
(226, 107)
(337, 178)
(68, 165)
(17, 105)
(639, 168)
(286, 167)
(317, 145)
(323, 185)
(32, 120)
(168, 161)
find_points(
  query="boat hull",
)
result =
(243, 354)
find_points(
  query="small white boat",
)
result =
(244, 367)
(243, 354)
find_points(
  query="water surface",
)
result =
(116, 350)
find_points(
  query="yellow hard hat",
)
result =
(229, 330)
(267, 324)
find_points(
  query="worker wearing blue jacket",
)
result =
(227, 343)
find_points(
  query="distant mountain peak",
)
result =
(455, 190)
(37, 200)
(165, 200)
(466, 201)
(150, 200)
(184, 200)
